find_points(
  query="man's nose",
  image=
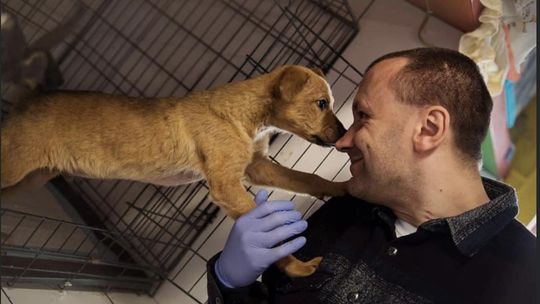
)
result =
(345, 142)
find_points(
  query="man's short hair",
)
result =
(437, 76)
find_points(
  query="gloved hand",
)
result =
(250, 246)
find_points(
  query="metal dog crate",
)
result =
(132, 236)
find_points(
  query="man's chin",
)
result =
(360, 187)
(355, 187)
(366, 190)
(355, 169)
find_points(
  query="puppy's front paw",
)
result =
(298, 269)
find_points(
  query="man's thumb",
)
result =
(261, 197)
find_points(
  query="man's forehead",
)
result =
(387, 68)
(378, 78)
(361, 101)
(382, 72)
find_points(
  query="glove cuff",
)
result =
(219, 275)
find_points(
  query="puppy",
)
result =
(220, 135)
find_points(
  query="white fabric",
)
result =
(403, 228)
(486, 45)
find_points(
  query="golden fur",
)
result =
(214, 134)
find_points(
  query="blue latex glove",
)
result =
(250, 246)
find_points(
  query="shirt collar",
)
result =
(471, 230)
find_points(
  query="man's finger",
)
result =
(280, 234)
(288, 248)
(270, 207)
(277, 219)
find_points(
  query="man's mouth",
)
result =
(356, 161)
(356, 158)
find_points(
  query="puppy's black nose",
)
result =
(340, 129)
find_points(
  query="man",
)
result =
(421, 224)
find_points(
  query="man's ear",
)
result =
(291, 82)
(432, 128)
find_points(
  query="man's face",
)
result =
(379, 142)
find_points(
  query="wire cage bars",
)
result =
(130, 235)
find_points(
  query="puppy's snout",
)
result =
(334, 131)
(337, 131)
(341, 129)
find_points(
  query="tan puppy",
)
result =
(220, 135)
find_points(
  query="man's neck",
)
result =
(443, 192)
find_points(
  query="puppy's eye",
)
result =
(322, 103)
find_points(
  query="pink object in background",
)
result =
(503, 148)
(462, 14)
(513, 74)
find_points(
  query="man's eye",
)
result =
(322, 103)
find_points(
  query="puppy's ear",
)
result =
(318, 71)
(290, 83)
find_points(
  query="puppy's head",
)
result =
(303, 104)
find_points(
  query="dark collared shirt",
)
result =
(481, 256)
